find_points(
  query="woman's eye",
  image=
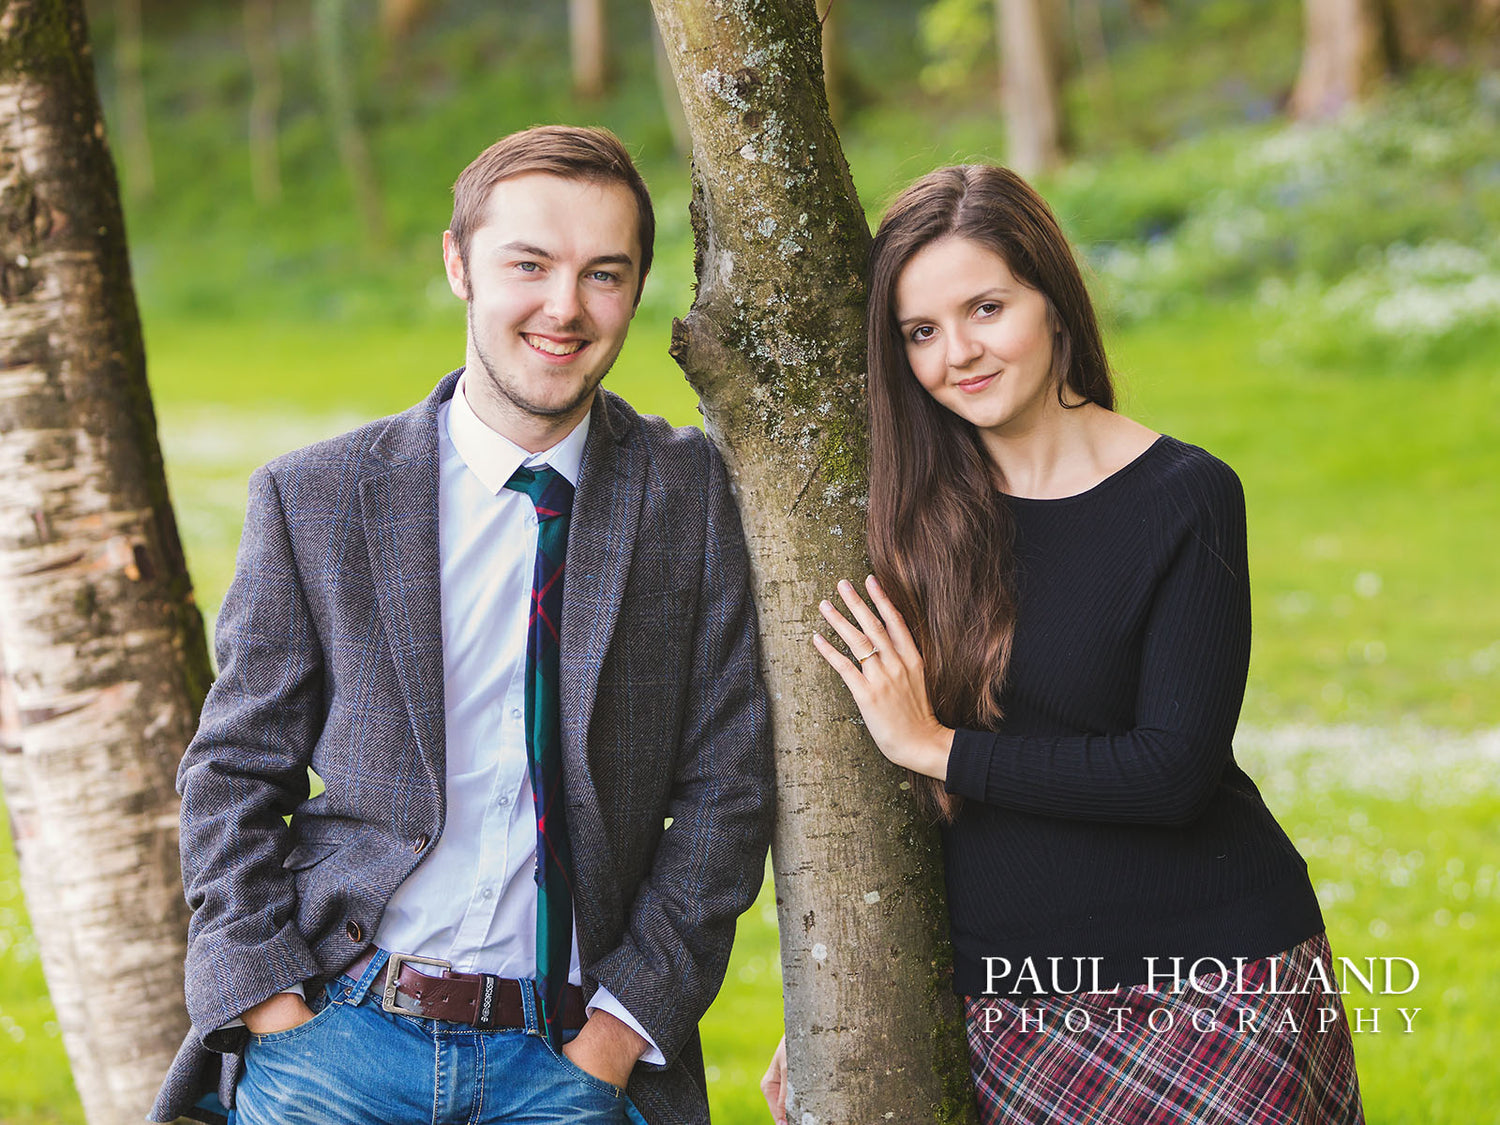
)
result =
(989, 308)
(921, 332)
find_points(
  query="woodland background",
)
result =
(1307, 286)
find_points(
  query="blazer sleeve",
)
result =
(243, 773)
(1194, 660)
(710, 863)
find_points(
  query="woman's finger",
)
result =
(873, 627)
(841, 664)
(859, 644)
(895, 624)
(773, 1084)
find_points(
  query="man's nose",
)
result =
(562, 303)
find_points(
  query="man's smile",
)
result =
(554, 347)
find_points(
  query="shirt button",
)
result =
(355, 933)
(488, 893)
(515, 713)
(419, 844)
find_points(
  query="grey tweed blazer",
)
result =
(330, 656)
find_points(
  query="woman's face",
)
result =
(978, 340)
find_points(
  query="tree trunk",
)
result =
(671, 103)
(400, 18)
(1031, 74)
(1152, 14)
(835, 78)
(140, 176)
(1445, 32)
(586, 31)
(774, 345)
(102, 646)
(265, 99)
(1346, 53)
(338, 88)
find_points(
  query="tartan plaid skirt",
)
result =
(1230, 1052)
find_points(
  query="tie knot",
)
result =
(550, 491)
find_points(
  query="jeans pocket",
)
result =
(581, 1076)
(323, 1004)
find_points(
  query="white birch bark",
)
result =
(1345, 56)
(100, 643)
(587, 30)
(1030, 85)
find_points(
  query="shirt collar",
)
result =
(494, 458)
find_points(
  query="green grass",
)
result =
(1345, 475)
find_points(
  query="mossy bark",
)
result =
(101, 645)
(774, 345)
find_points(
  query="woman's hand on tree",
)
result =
(886, 679)
(773, 1085)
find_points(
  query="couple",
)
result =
(547, 801)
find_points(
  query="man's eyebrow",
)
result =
(525, 248)
(531, 251)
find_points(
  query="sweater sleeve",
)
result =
(1195, 655)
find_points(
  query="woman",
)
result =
(1056, 647)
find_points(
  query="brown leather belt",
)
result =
(476, 999)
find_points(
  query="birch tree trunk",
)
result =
(835, 76)
(140, 173)
(399, 19)
(671, 103)
(265, 100)
(1347, 52)
(1031, 84)
(774, 345)
(329, 17)
(101, 644)
(587, 30)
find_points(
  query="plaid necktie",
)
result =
(553, 496)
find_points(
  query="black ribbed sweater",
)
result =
(1106, 817)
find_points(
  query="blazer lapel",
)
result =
(399, 508)
(601, 539)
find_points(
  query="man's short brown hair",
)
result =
(572, 152)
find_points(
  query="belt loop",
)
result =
(367, 978)
(530, 1008)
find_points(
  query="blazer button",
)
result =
(355, 933)
(419, 844)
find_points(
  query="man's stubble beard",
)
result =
(510, 395)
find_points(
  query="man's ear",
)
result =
(639, 289)
(453, 266)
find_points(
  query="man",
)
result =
(522, 797)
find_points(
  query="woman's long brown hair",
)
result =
(939, 536)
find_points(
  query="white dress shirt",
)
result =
(472, 900)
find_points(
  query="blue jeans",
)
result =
(356, 1064)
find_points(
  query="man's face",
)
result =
(551, 278)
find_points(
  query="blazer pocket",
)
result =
(309, 852)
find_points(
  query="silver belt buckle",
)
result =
(393, 971)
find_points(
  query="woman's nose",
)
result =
(963, 348)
